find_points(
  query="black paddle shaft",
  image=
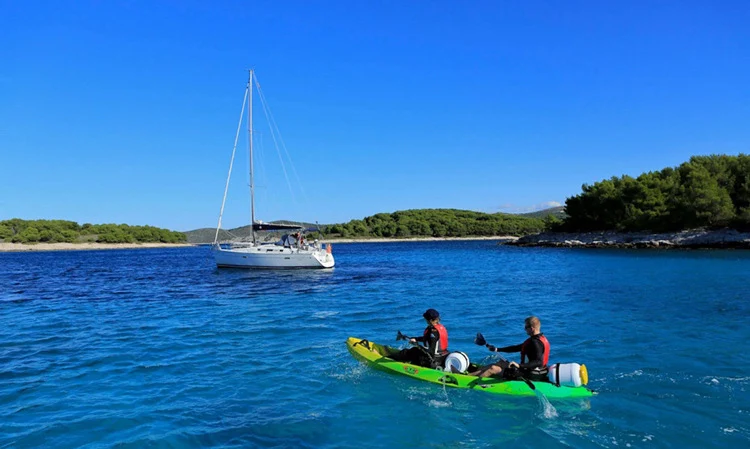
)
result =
(400, 336)
(480, 341)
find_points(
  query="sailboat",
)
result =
(290, 250)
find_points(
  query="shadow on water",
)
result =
(243, 283)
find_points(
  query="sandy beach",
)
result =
(19, 247)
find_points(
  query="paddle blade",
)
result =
(479, 339)
(400, 336)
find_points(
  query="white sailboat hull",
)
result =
(271, 256)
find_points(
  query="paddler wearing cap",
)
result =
(434, 340)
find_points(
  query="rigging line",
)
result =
(288, 156)
(272, 124)
(231, 162)
(231, 235)
(273, 136)
(281, 160)
(276, 136)
(261, 177)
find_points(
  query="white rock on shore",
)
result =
(695, 238)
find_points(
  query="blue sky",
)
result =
(125, 111)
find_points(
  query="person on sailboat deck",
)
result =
(298, 239)
(435, 341)
(535, 348)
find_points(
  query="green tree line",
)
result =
(437, 223)
(707, 191)
(54, 231)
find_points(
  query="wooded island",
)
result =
(707, 192)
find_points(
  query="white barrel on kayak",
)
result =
(568, 374)
(458, 360)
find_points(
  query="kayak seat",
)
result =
(364, 343)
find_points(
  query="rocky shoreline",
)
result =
(500, 238)
(695, 238)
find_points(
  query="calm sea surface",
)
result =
(158, 348)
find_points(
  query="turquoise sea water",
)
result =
(158, 348)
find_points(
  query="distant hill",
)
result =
(437, 223)
(558, 212)
(206, 235)
(411, 223)
(17, 230)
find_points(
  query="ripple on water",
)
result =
(159, 348)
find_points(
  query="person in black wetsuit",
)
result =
(534, 356)
(435, 344)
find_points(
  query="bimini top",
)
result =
(276, 227)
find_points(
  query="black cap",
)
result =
(431, 314)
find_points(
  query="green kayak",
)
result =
(377, 356)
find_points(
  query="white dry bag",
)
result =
(568, 374)
(457, 360)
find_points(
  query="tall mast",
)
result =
(250, 149)
(231, 163)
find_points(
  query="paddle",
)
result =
(480, 341)
(400, 336)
